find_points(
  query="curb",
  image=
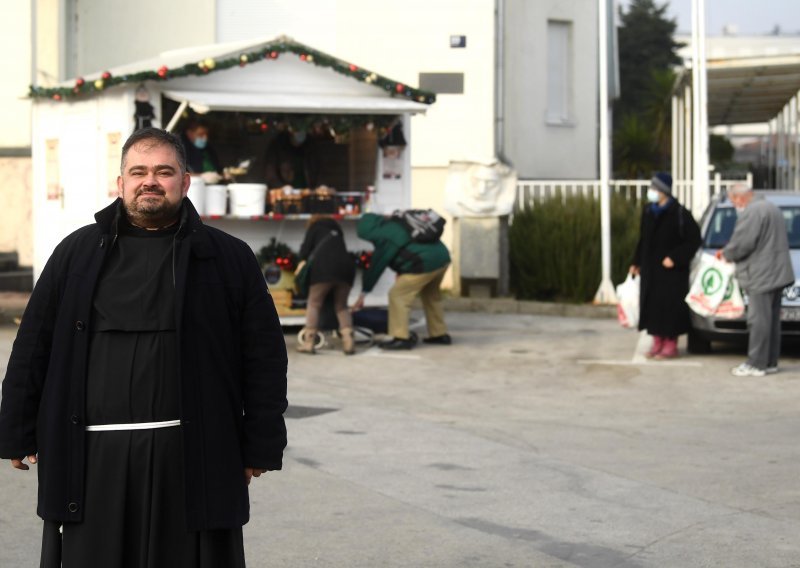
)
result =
(12, 305)
(525, 307)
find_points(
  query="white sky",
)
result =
(751, 17)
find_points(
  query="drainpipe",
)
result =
(499, 80)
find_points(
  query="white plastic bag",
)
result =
(732, 305)
(628, 302)
(710, 285)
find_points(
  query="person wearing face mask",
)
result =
(759, 246)
(668, 240)
(201, 159)
(293, 159)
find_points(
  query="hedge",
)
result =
(555, 247)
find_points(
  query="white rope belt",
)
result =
(133, 426)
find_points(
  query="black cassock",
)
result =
(134, 511)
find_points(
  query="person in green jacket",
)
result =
(420, 268)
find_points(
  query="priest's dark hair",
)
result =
(155, 137)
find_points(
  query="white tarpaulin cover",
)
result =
(202, 101)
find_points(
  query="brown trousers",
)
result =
(316, 297)
(402, 294)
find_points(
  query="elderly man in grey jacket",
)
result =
(760, 248)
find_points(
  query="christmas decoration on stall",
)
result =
(337, 125)
(269, 51)
(279, 254)
(145, 113)
(363, 259)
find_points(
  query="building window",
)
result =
(559, 71)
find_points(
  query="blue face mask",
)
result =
(200, 143)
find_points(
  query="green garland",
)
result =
(271, 50)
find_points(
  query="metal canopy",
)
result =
(751, 89)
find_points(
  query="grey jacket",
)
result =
(760, 248)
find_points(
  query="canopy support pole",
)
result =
(177, 116)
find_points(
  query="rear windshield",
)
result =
(721, 227)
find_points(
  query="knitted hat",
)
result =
(662, 181)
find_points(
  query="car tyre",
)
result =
(697, 344)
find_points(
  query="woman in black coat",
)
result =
(668, 240)
(331, 271)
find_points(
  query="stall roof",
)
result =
(277, 75)
(202, 101)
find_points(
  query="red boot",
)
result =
(658, 345)
(669, 349)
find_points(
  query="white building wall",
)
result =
(102, 34)
(538, 146)
(15, 43)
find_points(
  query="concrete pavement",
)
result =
(533, 441)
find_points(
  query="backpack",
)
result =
(422, 225)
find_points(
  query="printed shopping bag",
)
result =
(709, 285)
(732, 305)
(628, 302)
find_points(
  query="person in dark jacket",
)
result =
(668, 240)
(147, 380)
(420, 269)
(331, 271)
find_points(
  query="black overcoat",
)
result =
(674, 234)
(232, 364)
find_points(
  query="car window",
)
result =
(720, 228)
(791, 216)
(723, 221)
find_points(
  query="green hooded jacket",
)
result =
(395, 249)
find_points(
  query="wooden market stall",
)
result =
(255, 98)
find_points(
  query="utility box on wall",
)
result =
(481, 256)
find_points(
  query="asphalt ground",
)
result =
(532, 441)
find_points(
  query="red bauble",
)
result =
(56, 97)
(303, 57)
(264, 126)
(399, 87)
(353, 68)
(79, 82)
(273, 55)
(106, 75)
(162, 71)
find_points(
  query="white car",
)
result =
(716, 227)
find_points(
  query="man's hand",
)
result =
(359, 303)
(667, 263)
(251, 472)
(634, 270)
(20, 464)
(211, 177)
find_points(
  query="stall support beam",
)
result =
(177, 116)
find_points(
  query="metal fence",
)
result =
(529, 192)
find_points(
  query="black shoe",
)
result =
(439, 340)
(397, 344)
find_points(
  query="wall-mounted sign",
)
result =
(52, 174)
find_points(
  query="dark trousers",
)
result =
(764, 326)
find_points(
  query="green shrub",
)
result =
(555, 247)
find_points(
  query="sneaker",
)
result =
(746, 370)
(772, 370)
(439, 340)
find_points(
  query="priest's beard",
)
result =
(149, 214)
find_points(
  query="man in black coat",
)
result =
(668, 240)
(147, 380)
